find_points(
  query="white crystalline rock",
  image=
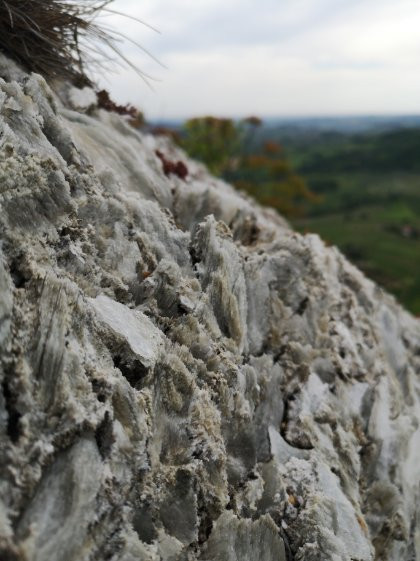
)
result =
(82, 99)
(143, 338)
(234, 539)
(182, 377)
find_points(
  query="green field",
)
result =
(369, 201)
(382, 252)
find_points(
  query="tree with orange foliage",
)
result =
(225, 146)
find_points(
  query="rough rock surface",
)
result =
(182, 376)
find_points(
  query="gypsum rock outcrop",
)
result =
(183, 377)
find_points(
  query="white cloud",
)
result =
(274, 57)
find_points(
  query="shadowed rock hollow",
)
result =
(182, 376)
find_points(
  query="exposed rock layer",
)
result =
(183, 377)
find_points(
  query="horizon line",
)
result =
(296, 116)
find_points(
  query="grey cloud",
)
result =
(227, 55)
(235, 23)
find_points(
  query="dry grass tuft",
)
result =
(59, 39)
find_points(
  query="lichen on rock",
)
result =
(183, 377)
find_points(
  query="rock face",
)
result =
(182, 376)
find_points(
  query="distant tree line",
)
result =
(390, 151)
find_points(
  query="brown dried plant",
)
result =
(61, 39)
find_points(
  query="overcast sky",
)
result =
(271, 57)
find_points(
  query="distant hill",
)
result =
(352, 124)
(346, 124)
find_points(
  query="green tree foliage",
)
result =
(226, 147)
(212, 140)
